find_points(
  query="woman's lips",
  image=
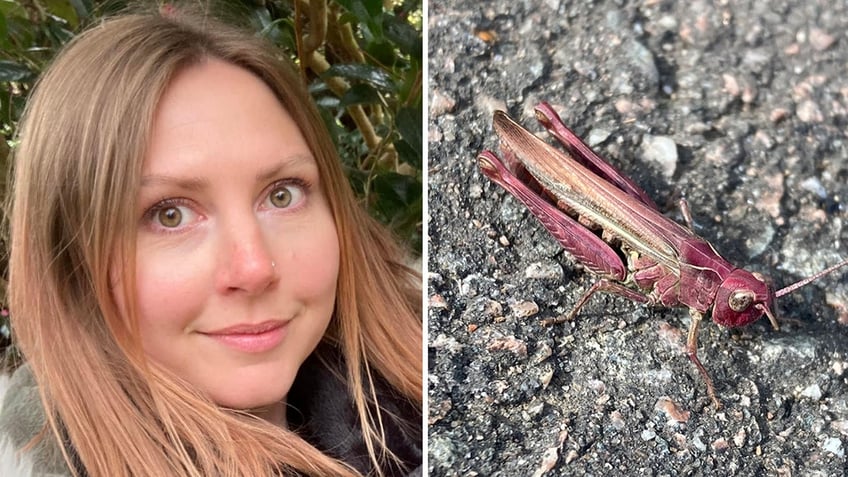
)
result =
(251, 338)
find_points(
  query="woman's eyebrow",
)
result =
(186, 183)
(294, 162)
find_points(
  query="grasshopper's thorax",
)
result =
(742, 299)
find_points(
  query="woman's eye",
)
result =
(171, 216)
(285, 195)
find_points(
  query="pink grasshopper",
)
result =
(611, 226)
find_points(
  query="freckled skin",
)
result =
(221, 148)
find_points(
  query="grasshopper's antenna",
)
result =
(797, 285)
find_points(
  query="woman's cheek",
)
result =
(170, 287)
(312, 269)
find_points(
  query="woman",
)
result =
(192, 284)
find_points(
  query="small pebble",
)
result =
(672, 410)
(740, 437)
(815, 186)
(597, 136)
(509, 343)
(778, 114)
(820, 39)
(440, 103)
(813, 392)
(661, 150)
(475, 191)
(731, 85)
(549, 460)
(544, 271)
(524, 309)
(449, 343)
(841, 426)
(492, 308)
(438, 301)
(617, 421)
(543, 352)
(545, 378)
(834, 446)
(597, 385)
(720, 444)
(648, 434)
(809, 112)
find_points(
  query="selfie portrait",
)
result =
(212, 239)
(637, 254)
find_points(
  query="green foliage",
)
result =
(362, 60)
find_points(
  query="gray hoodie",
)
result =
(21, 419)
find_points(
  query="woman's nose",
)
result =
(246, 261)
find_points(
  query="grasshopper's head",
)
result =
(742, 298)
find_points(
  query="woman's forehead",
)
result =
(215, 112)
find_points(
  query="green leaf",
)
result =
(57, 30)
(367, 73)
(396, 191)
(347, 4)
(260, 18)
(401, 33)
(397, 200)
(408, 154)
(3, 30)
(347, 17)
(82, 7)
(11, 71)
(409, 89)
(64, 10)
(382, 52)
(364, 10)
(318, 87)
(272, 30)
(327, 102)
(360, 94)
(409, 125)
(330, 123)
(373, 7)
(357, 179)
(12, 8)
(368, 13)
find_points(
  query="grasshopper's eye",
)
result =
(740, 300)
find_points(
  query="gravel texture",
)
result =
(740, 107)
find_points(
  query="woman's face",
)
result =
(237, 252)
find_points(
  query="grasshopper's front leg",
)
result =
(692, 352)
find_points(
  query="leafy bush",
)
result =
(362, 60)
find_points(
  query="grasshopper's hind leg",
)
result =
(584, 154)
(582, 243)
(603, 285)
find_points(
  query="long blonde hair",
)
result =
(83, 139)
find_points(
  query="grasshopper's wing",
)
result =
(634, 222)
